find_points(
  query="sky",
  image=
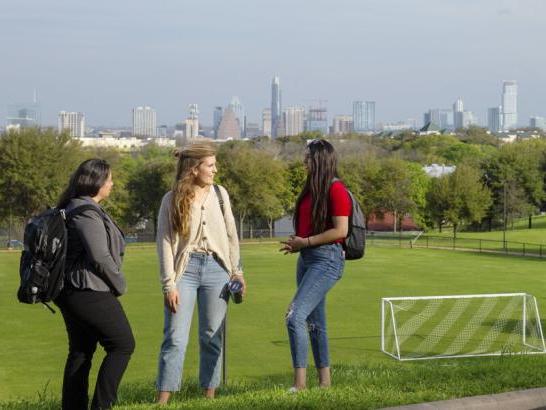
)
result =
(104, 57)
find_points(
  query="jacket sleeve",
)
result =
(164, 243)
(90, 227)
(233, 238)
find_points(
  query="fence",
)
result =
(419, 240)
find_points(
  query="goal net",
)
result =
(431, 327)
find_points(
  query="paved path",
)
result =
(532, 399)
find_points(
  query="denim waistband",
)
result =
(202, 255)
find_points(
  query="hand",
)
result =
(241, 279)
(172, 300)
(293, 244)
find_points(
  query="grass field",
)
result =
(33, 341)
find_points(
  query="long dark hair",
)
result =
(86, 181)
(321, 161)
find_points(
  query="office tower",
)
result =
(293, 120)
(216, 119)
(537, 122)
(342, 124)
(253, 130)
(144, 122)
(432, 117)
(468, 119)
(509, 105)
(276, 106)
(317, 119)
(162, 131)
(73, 122)
(192, 122)
(23, 115)
(239, 111)
(229, 126)
(494, 119)
(266, 122)
(458, 109)
(364, 116)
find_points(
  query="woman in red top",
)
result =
(321, 220)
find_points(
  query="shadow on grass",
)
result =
(366, 385)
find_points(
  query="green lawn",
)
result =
(33, 341)
(519, 232)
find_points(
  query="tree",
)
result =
(35, 168)
(459, 198)
(146, 187)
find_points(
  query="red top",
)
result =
(339, 205)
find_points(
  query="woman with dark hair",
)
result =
(93, 281)
(198, 251)
(321, 222)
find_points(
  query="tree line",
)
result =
(492, 184)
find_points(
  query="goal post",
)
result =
(433, 327)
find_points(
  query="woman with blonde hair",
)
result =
(198, 253)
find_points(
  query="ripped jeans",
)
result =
(319, 268)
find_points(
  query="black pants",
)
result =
(94, 317)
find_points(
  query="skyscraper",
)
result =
(294, 120)
(537, 122)
(458, 109)
(509, 105)
(229, 126)
(364, 116)
(276, 106)
(266, 122)
(73, 122)
(239, 111)
(342, 124)
(216, 119)
(144, 122)
(317, 120)
(192, 122)
(494, 119)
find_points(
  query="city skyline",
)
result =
(98, 66)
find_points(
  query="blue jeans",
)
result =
(204, 279)
(319, 269)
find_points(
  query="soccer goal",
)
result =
(433, 327)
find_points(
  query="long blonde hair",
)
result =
(189, 158)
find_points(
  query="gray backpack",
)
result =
(355, 243)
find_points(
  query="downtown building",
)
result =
(144, 122)
(266, 122)
(342, 124)
(317, 120)
(73, 122)
(509, 105)
(293, 121)
(276, 108)
(364, 116)
(494, 119)
(191, 130)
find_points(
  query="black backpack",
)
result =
(43, 259)
(355, 243)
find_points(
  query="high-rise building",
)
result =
(192, 122)
(239, 111)
(276, 106)
(216, 119)
(494, 119)
(537, 122)
(23, 115)
(342, 124)
(458, 109)
(293, 121)
(469, 119)
(229, 126)
(317, 120)
(144, 122)
(73, 122)
(364, 116)
(432, 116)
(509, 105)
(266, 122)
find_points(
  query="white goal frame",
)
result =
(387, 301)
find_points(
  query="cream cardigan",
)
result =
(219, 231)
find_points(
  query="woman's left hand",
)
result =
(293, 244)
(241, 279)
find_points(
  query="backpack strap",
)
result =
(81, 209)
(220, 198)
